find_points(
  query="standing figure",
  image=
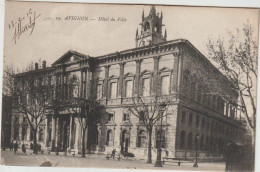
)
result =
(23, 148)
(113, 153)
(12, 145)
(39, 147)
(31, 146)
(15, 148)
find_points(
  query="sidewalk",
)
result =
(99, 161)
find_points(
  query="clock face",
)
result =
(72, 59)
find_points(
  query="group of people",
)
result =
(14, 147)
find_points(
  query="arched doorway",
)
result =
(125, 140)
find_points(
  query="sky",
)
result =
(51, 37)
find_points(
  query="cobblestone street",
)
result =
(98, 161)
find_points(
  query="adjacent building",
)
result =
(203, 106)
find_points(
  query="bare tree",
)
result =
(88, 111)
(149, 110)
(31, 98)
(237, 60)
(8, 80)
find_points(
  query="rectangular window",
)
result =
(113, 90)
(129, 88)
(99, 91)
(126, 117)
(146, 87)
(110, 117)
(165, 85)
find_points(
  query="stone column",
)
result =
(180, 67)
(53, 132)
(76, 145)
(58, 132)
(121, 77)
(70, 139)
(106, 81)
(28, 132)
(87, 82)
(155, 74)
(20, 128)
(81, 84)
(62, 86)
(46, 132)
(137, 76)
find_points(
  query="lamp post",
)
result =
(196, 155)
(158, 162)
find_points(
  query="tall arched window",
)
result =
(41, 134)
(207, 143)
(183, 117)
(189, 143)
(73, 87)
(141, 142)
(182, 139)
(190, 119)
(202, 142)
(109, 138)
(160, 134)
(146, 26)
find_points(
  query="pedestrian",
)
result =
(15, 148)
(39, 147)
(113, 153)
(31, 146)
(23, 148)
(11, 145)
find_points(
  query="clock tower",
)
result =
(151, 29)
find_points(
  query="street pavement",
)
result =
(98, 161)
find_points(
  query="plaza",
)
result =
(98, 161)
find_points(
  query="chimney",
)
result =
(43, 64)
(36, 66)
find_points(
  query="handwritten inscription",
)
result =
(87, 18)
(23, 24)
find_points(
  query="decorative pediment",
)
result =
(113, 77)
(165, 69)
(110, 123)
(126, 123)
(146, 72)
(70, 56)
(129, 75)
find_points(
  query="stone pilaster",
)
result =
(70, 137)
(53, 132)
(180, 71)
(137, 76)
(46, 138)
(58, 132)
(20, 128)
(62, 86)
(77, 135)
(106, 81)
(121, 79)
(174, 82)
(155, 74)
(81, 84)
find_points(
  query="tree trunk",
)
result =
(149, 158)
(35, 146)
(83, 143)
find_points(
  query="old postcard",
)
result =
(129, 86)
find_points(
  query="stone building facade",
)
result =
(203, 106)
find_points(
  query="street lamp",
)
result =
(158, 162)
(196, 155)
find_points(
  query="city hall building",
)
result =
(203, 112)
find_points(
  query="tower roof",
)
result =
(153, 10)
